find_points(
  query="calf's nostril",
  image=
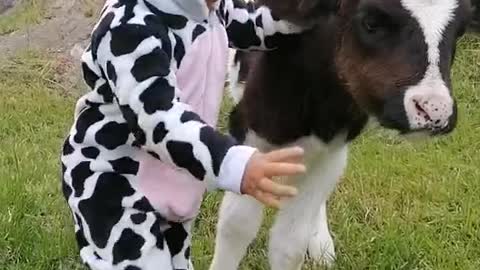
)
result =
(421, 111)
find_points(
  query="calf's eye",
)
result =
(371, 24)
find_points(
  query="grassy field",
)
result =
(400, 206)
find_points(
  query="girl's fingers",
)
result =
(268, 200)
(292, 153)
(283, 169)
(277, 190)
(298, 160)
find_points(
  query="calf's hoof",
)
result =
(321, 249)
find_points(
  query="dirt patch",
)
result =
(68, 22)
(63, 34)
(6, 5)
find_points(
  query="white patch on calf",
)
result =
(433, 16)
(235, 87)
(301, 222)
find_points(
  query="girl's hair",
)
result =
(210, 3)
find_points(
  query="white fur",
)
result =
(238, 224)
(301, 224)
(234, 86)
(433, 16)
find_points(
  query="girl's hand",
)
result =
(257, 180)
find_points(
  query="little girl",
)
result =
(143, 148)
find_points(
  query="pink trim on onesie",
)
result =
(174, 192)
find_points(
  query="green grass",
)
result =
(28, 12)
(35, 231)
(400, 206)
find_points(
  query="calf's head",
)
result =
(395, 57)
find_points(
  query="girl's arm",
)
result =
(135, 60)
(253, 28)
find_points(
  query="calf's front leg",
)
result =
(321, 248)
(302, 224)
(240, 218)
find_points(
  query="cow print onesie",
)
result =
(134, 108)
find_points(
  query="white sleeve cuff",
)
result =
(233, 168)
